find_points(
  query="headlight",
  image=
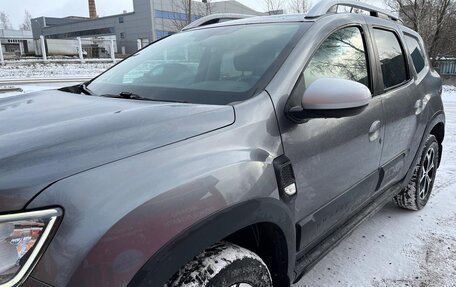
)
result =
(22, 237)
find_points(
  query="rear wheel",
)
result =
(223, 265)
(416, 195)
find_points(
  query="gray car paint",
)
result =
(329, 196)
(156, 195)
(405, 113)
(119, 213)
(52, 129)
(319, 149)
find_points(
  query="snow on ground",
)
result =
(32, 88)
(397, 247)
(51, 70)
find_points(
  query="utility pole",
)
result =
(189, 11)
(2, 59)
(207, 7)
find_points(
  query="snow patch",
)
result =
(211, 262)
(52, 70)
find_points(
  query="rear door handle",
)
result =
(374, 131)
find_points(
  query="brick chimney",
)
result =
(92, 9)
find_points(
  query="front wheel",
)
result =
(416, 195)
(223, 265)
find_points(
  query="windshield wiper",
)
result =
(132, 96)
(125, 95)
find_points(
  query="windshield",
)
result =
(210, 66)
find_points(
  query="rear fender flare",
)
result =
(438, 118)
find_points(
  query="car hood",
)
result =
(49, 135)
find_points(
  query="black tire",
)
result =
(223, 265)
(416, 195)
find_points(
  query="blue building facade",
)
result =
(150, 21)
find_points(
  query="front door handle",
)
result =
(374, 131)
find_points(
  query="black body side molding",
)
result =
(193, 241)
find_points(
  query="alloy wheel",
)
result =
(427, 174)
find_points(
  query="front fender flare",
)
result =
(184, 247)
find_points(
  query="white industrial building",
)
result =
(150, 20)
(15, 43)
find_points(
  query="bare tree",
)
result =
(5, 22)
(190, 9)
(27, 24)
(274, 6)
(182, 17)
(434, 20)
(298, 6)
(206, 9)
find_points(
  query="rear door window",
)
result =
(391, 57)
(416, 52)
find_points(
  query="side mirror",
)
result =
(332, 98)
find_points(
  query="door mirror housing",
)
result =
(332, 98)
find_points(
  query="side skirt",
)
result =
(308, 258)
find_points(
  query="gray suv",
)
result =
(232, 154)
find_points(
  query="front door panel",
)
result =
(336, 168)
(336, 161)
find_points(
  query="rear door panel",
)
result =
(402, 106)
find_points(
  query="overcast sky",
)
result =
(61, 8)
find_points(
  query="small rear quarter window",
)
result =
(416, 52)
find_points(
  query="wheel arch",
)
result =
(436, 127)
(270, 217)
(268, 241)
(438, 130)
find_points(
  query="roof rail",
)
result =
(328, 6)
(215, 18)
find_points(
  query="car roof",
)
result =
(209, 18)
(318, 12)
(283, 18)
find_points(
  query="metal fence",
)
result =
(100, 49)
(83, 49)
(447, 67)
